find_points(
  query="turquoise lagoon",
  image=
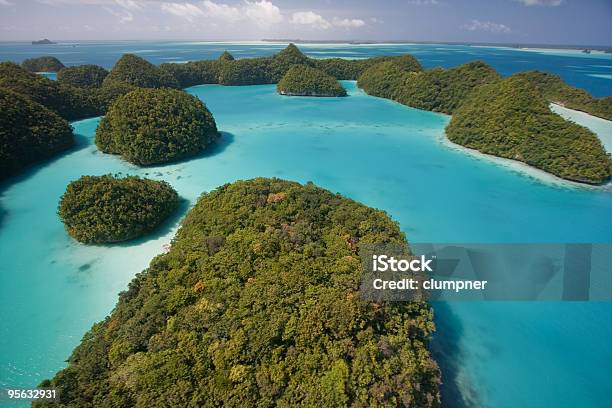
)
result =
(383, 154)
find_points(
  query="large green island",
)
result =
(257, 303)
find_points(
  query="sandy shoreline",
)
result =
(522, 168)
(595, 124)
(600, 126)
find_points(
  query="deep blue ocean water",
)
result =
(495, 354)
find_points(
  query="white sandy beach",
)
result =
(601, 127)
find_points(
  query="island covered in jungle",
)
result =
(258, 303)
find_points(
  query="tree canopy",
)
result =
(270, 70)
(247, 71)
(150, 126)
(301, 80)
(69, 102)
(383, 79)
(557, 91)
(139, 72)
(195, 72)
(226, 56)
(42, 64)
(258, 303)
(83, 76)
(510, 118)
(106, 209)
(29, 132)
(438, 89)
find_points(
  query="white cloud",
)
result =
(263, 13)
(223, 11)
(129, 4)
(6, 3)
(423, 2)
(78, 2)
(541, 2)
(187, 11)
(348, 23)
(124, 16)
(310, 18)
(476, 25)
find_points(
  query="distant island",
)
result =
(43, 42)
(576, 47)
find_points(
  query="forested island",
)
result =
(42, 64)
(436, 90)
(138, 72)
(529, 132)
(178, 125)
(83, 76)
(29, 132)
(509, 118)
(302, 80)
(107, 209)
(88, 91)
(257, 303)
(44, 41)
(556, 91)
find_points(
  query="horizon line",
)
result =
(602, 47)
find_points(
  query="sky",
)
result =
(571, 22)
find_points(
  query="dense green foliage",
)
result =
(247, 71)
(438, 89)
(136, 71)
(262, 70)
(29, 132)
(302, 80)
(69, 102)
(42, 64)
(105, 209)
(510, 118)
(226, 56)
(270, 70)
(257, 304)
(281, 62)
(83, 76)
(555, 90)
(110, 91)
(341, 68)
(194, 73)
(383, 79)
(149, 126)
